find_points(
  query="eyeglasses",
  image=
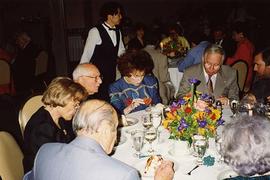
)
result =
(137, 76)
(96, 77)
(215, 66)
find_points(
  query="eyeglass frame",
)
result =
(96, 77)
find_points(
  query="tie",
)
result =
(111, 29)
(210, 85)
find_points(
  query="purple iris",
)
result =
(204, 97)
(202, 124)
(207, 110)
(193, 80)
(183, 124)
(181, 101)
(220, 122)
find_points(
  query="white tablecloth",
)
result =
(184, 163)
(176, 77)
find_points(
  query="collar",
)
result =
(88, 144)
(108, 27)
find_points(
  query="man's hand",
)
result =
(164, 171)
(268, 98)
(224, 100)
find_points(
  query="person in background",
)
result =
(260, 87)
(61, 100)
(174, 34)
(166, 89)
(88, 76)
(95, 125)
(221, 38)
(137, 42)
(194, 55)
(248, 154)
(215, 79)
(23, 68)
(103, 46)
(138, 88)
(244, 51)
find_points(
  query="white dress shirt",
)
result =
(94, 39)
(213, 78)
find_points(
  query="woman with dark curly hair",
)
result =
(138, 88)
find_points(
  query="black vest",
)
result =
(105, 54)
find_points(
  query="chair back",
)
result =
(11, 156)
(242, 71)
(5, 73)
(28, 109)
(41, 63)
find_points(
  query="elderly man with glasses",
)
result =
(217, 80)
(88, 76)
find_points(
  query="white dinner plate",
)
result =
(140, 166)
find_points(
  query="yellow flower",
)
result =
(201, 131)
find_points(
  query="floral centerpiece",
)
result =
(192, 115)
(172, 47)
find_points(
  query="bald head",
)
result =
(88, 76)
(98, 120)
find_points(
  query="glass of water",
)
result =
(150, 136)
(137, 138)
(200, 145)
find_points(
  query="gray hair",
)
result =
(246, 145)
(214, 48)
(92, 114)
(80, 70)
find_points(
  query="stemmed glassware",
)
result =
(138, 138)
(200, 145)
(150, 136)
(147, 121)
(234, 107)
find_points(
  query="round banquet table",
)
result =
(183, 163)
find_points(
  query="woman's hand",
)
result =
(135, 103)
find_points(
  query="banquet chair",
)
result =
(11, 167)
(242, 72)
(28, 109)
(5, 78)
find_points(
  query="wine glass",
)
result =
(156, 119)
(138, 138)
(234, 107)
(150, 136)
(147, 121)
(200, 145)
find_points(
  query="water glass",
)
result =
(137, 138)
(150, 136)
(200, 145)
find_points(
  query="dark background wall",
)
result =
(51, 22)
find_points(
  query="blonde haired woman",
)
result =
(61, 100)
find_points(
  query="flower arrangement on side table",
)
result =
(192, 115)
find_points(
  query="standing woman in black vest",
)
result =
(103, 45)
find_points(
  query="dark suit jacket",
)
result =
(226, 82)
(39, 130)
